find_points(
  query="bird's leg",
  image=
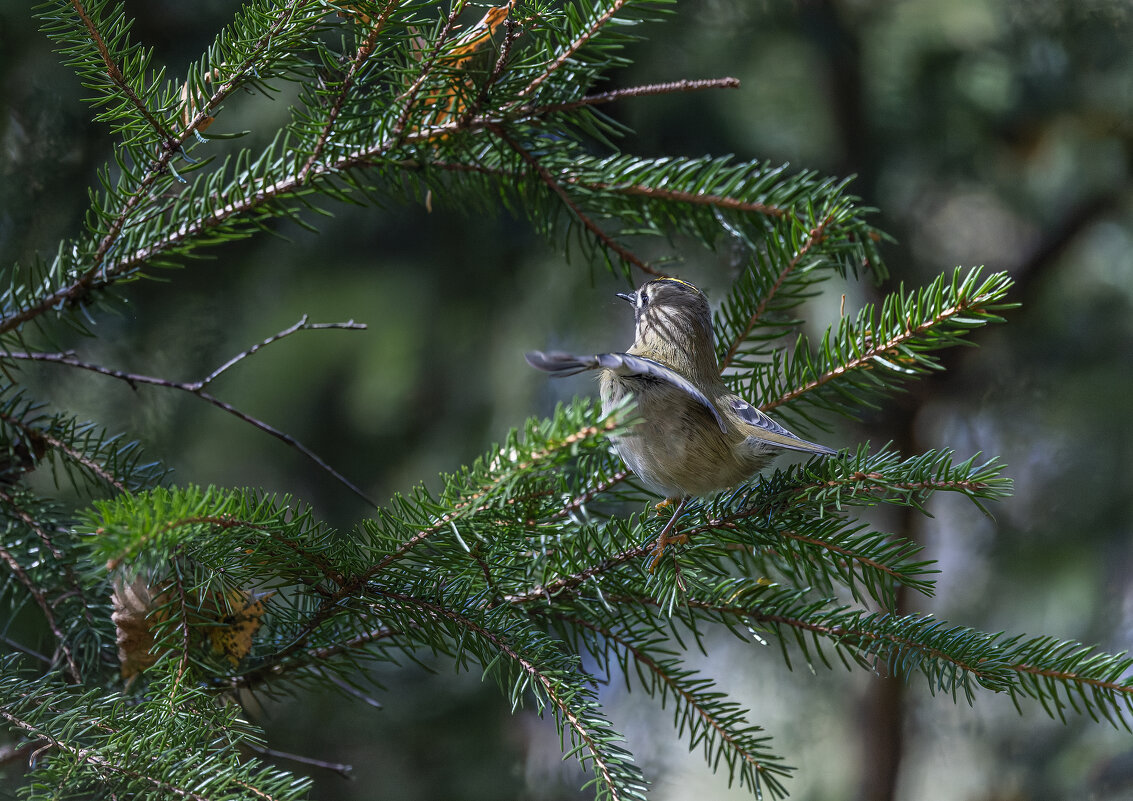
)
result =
(664, 537)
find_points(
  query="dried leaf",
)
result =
(232, 637)
(188, 111)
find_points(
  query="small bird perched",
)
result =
(695, 437)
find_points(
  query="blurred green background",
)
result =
(997, 133)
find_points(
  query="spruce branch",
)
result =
(867, 355)
(545, 176)
(571, 701)
(310, 658)
(119, 81)
(1052, 672)
(408, 99)
(347, 84)
(812, 238)
(597, 24)
(719, 726)
(86, 453)
(96, 742)
(679, 196)
(477, 495)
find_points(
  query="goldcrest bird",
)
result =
(694, 436)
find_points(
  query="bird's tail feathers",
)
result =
(559, 363)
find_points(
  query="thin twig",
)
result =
(678, 196)
(497, 70)
(278, 667)
(25, 649)
(340, 768)
(644, 90)
(301, 325)
(197, 388)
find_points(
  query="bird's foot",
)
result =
(666, 536)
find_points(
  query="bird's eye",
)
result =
(642, 299)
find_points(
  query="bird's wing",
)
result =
(558, 363)
(772, 432)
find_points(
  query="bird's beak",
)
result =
(627, 297)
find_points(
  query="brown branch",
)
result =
(1062, 675)
(186, 635)
(579, 501)
(365, 50)
(644, 90)
(497, 70)
(677, 196)
(836, 632)
(569, 582)
(340, 768)
(557, 188)
(40, 435)
(14, 753)
(169, 142)
(813, 237)
(278, 668)
(82, 459)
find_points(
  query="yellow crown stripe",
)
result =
(679, 281)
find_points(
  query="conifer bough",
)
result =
(529, 564)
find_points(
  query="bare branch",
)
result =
(197, 388)
(340, 768)
(672, 87)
